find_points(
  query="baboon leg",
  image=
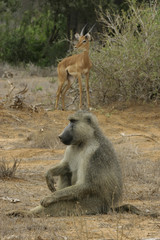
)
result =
(88, 206)
(68, 193)
(34, 212)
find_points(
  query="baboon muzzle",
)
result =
(66, 136)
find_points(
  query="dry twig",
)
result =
(138, 135)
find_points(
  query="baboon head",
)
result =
(80, 129)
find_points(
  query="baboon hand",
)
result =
(50, 183)
(45, 202)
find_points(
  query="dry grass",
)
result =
(29, 70)
(138, 170)
(7, 171)
(126, 65)
(45, 138)
(138, 178)
(41, 90)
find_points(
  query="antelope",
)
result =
(72, 67)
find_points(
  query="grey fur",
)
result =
(90, 180)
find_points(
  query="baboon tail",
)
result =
(133, 210)
(127, 208)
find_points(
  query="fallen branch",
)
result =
(12, 200)
(15, 118)
(138, 135)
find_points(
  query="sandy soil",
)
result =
(32, 138)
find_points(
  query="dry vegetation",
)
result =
(126, 65)
(32, 137)
(7, 171)
(29, 132)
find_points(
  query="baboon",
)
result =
(89, 172)
(90, 179)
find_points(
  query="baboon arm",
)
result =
(68, 193)
(60, 169)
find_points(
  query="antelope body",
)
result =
(73, 67)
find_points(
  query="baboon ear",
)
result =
(77, 36)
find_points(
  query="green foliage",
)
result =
(9, 5)
(127, 66)
(28, 41)
(34, 31)
(39, 88)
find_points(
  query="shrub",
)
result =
(29, 40)
(126, 64)
(7, 171)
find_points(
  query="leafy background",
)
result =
(125, 50)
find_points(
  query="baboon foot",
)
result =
(18, 213)
(45, 202)
(34, 212)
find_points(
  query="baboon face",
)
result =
(79, 129)
(66, 136)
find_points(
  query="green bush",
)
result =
(126, 64)
(28, 41)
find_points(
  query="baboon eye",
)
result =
(73, 120)
(88, 119)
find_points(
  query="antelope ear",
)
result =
(88, 36)
(77, 36)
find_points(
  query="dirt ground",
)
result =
(32, 138)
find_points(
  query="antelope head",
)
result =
(83, 40)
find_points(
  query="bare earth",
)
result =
(32, 137)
